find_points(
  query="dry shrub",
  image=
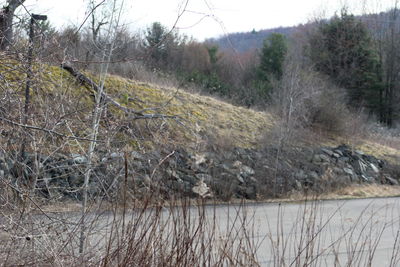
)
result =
(382, 135)
(306, 100)
(393, 170)
(220, 141)
(329, 111)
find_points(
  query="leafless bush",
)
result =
(329, 110)
(383, 135)
(306, 100)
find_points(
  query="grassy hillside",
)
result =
(197, 115)
(63, 105)
(57, 96)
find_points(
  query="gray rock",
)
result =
(324, 158)
(237, 164)
(348, 171)
(391, 181)
(316, 159)
(252, 179)
(246, 171)
(344, 159)
(314, 176)
(339, 152)
(137, 155)
(201, 189)
(360, 167)
(199, 159)
(374, 168)
(298, 185)
(300, 175)
(359, 152)
(226, 168)
(338, 170)
(240, 178)
(251, 192)
(188, 178)
(327, 151)
(173, 173)
(366, 178)
(78, 159)
(205, 177)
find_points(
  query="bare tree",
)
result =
(6, 19)
(98, 108)
(97, 21)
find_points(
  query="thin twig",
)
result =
(46, 130)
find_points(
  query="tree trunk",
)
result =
(6, 18)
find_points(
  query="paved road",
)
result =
(324, 233)
(321, 233)
(359, 232)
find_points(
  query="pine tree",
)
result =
(272, 57)
(271, 62)
(155, 42)
(343, 49)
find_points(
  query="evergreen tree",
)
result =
(154, 42)
(164, 46)
(271, 63)
(343, 49)
(272, 57)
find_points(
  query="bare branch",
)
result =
(46, 130)
(91, 85)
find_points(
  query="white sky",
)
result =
(222, 16)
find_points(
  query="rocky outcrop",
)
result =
(243, 173)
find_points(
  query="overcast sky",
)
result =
(210, 18)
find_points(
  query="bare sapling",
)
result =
(98, 110)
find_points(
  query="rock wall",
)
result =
(239, 173)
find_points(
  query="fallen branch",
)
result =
(91, 85)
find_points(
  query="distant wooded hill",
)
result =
(244, 41)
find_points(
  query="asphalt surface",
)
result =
(360, 232)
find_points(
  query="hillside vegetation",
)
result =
(234, 150)
(196, 116)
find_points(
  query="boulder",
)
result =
(78, 159)
(327, 151)
(240, 178)
(204, 177)
(321, 158)
(201, 189)
(374, 168)
(246, 171)
(348, 171)
(391, 181)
